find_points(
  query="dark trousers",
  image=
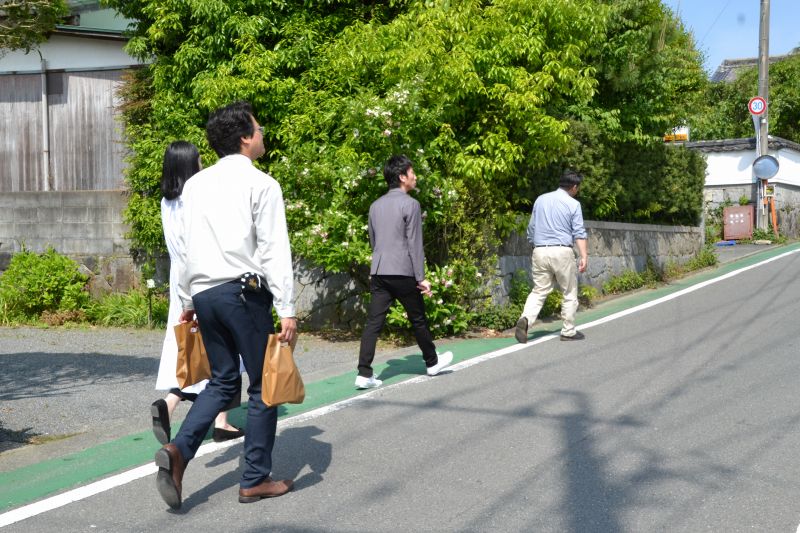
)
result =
(385, 290)
(230, 328)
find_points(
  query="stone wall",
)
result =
(613, 248)
(787, 198)
(88, 227)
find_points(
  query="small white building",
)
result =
(729, 176)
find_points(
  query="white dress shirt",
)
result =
(235, 222)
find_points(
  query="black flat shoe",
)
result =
(161, 427)
(221, 435)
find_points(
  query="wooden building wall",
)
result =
(86, 150)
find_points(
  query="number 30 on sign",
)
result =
(757, 105)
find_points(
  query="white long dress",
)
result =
(171, 213)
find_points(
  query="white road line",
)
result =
(109, 483)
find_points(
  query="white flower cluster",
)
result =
(317, 230)
(399, 96)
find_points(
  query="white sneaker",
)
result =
(444, 361)
(367, 383)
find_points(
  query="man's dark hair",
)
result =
(181, 162)
(569, 178)
(396, 166)
(227, 125)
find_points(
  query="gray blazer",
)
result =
(395, 234)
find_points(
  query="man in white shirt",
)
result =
(234, 223)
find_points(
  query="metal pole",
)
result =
(45, 127)
(762, 139)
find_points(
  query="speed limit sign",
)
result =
(757, 105)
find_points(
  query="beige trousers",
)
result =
(554, 264)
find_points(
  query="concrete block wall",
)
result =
(84, 225)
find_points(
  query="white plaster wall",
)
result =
(736, 168)
(70, 52)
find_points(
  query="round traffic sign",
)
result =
(757, 105)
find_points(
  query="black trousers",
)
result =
(385, 290)
(231, 327)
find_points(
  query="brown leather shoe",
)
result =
(169, 480)
(267, 489)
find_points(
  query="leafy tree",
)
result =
(725, 114)
(486, 98)
(24, 24)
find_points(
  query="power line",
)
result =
(715, 21)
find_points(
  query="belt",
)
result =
(551, 245)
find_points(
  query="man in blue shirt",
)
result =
(556, 224)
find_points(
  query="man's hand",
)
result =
(583, 253)
(425, 287)
(187, 315)
(288, 329)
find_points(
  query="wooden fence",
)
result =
(86, 150)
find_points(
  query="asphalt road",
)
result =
(680, 416)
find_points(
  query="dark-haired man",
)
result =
(234, 223)
(556, 223)
(398, 270)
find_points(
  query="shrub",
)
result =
(705, 258)
(446, 310)
(129, 310)
(499, 317)
(39, 282)
(587, 295)
(627, 281)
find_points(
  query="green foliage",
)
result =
(631, 280)
(705, 258)
(39, 282)
(129, 310)
(25, 24)
(644, 181)
(715, 221)
(587, 295)
(744, 200)
(767, 235)
(481, 95)
(520, 288)
(724, 113)
(498, 317)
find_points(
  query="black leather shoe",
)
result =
(169, 479)
(577, 337)
(521, 331)
(161, 427)
(221, 435)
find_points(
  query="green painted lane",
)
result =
(34, 482)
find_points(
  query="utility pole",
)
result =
(762, 130)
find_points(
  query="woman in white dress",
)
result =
(181, 162)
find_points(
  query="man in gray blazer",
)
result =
(398, 270)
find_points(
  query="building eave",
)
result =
(738, 145)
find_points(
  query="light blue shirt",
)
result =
(556, 219)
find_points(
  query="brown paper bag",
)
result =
(281, 382)
(193, 365)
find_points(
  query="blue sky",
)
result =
(728, 29)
